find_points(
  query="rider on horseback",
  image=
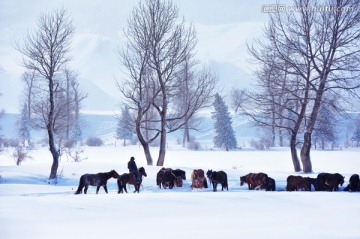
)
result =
(133, 169)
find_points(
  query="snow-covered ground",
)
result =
(32, 208)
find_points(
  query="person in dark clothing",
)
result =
(133, 169)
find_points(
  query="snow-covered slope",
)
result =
(32, 208)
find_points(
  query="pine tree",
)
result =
(225, 135)
(125, 129)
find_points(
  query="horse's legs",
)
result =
(97, 189)
(105, 187)
(86, 188)
(120, 188)
(124, 186)
(137, 187)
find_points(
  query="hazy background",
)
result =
(223, 28)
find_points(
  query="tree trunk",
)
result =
(147, 154)
(50, 129)
(186, 137)
(281, 138)
(294, 157)
(55, 155)
(162, 150)
(305, 150)
(305, 153)
(145, 145)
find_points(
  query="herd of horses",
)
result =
(169, 178)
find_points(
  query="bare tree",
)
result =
(74, 97)
(327, 120)
(280, 98)
(25, 122)
(320, 52)
(335, 58)
(157, 45)
(46, 51)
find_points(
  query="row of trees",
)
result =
(164, 90)
(308, 70)
(309, 64)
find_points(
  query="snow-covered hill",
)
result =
(222, 30)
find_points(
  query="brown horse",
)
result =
(297, 183)
(129, 178)
(98, 180)
(254, 180)
(198, 179)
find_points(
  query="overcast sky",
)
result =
(223, 28)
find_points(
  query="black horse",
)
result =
(166, 178)
(98, 180)
(179, 173)
(329, 182)
(130, 179)
(354, 183)
(217, 177)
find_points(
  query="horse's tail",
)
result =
(158, 181)
(226, 182)
(79, 190)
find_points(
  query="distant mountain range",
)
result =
(104, 126)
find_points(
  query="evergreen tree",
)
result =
(125, 128)
(225, 135)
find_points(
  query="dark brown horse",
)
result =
(329, 181)
(254, 180)
(98, 180)
(311, 181)
(216, 177)
(297, 183)
(178, 181)
(166, 178)
(198, 179)
(269, 185)
(129, 178)
(179, 173)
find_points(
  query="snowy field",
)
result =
(32, 208)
